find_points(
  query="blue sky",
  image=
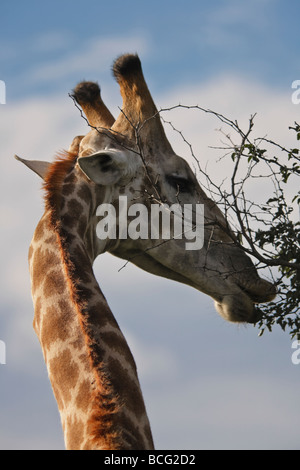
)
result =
(225, 386)
(187, 40)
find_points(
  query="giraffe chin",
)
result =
(238, 309)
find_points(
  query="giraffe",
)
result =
(90, 366)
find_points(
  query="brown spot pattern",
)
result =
(58, 323)
(43, 260)
(84, 193)
(84, 396)
(54, 283)
(75, 208)
(66, 373)
(113, 343)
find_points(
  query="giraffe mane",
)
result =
(105, 402)
(54, 179)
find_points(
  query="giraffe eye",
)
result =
(182, 185)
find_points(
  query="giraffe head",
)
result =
(129, 165)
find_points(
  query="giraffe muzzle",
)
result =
(240, 305)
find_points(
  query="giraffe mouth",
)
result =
(241, 306)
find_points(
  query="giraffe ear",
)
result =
(39, 167)
(105, 167)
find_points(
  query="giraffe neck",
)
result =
(90, 366)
